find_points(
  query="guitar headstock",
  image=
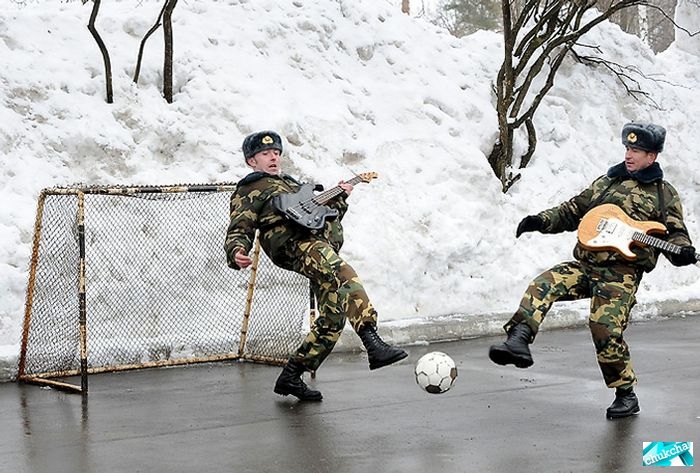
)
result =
(366, 177)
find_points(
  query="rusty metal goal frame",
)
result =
(110, 286)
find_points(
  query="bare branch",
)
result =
(536, 42)
(623, 74)
(103, 49)
(142, 46)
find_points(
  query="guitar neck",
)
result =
(656, 242)
(661, 244)
(325, 196)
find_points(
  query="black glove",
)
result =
(685, 257)
(531, 223)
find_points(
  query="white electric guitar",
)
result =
(607, 227)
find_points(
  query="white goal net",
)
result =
(135, 277)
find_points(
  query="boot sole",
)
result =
(504, 357)
(379, 364)
(283, 392)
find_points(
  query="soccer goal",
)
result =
(135, 277)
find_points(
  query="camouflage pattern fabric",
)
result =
(639, 200)
(251, 208)
(340, 296)
(612, 292)
(606, 277)
(314, 254)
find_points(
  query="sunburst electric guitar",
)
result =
(309, 209)
(607, 227)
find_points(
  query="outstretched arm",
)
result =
(245, 209)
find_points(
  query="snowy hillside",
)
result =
(352, 86)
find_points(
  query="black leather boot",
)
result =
(290, 382)
(379, 352)
(515, 349)
(624, 405)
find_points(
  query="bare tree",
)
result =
(102, 47)
(142, 46)
(165, 19)
(628, 20)
(168, 54)
(662, 31)
(463, 17)
(651, 23)
(537, 38)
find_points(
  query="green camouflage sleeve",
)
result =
(566, 216)
(677, 231)
(339, 203)
(246, 204)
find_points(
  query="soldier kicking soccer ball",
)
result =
(605, 268)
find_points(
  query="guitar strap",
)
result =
(662, 201)
(659, 190)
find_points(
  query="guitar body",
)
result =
(308, 209)
(607, 227)
(301, 208)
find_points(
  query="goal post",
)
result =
(135, 277)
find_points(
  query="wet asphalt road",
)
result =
(224, 417)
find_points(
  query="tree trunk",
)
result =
(103, 50)
(502, 153)
(168, 55)
(153, 29)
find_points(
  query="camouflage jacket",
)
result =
(639, 196)
(251, 208)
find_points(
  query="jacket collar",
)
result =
(254, 176)
(645, 176)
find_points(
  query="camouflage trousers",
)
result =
(612, 292)
(339, 293)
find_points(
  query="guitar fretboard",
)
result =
(656, 242)
(325, 196)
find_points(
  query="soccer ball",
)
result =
(435, 372)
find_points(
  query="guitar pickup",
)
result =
(606, 225)
(293, 213)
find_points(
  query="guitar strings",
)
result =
(337, 190)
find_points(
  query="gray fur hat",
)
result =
(645, 136)
(260, 141)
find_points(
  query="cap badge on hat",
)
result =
(632, 137)
(267, 140)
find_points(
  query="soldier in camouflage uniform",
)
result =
(606, 277)
(312, 253)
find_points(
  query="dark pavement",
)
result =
(224, 417)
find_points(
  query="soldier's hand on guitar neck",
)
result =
(686, 256)
(531, 223)
(242, 259)
(347, 187)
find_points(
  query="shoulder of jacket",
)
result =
(252, 177)
(669, 189)
(603, 181)
(669, 186)
(289, 178)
